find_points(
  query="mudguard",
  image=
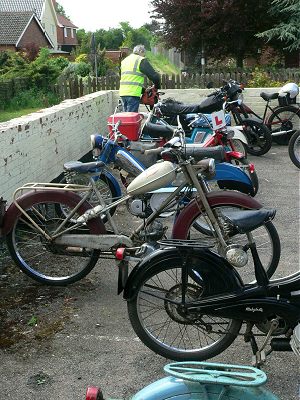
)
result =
(223, 277)
(113, 180)
(28, 199)
(193, 210)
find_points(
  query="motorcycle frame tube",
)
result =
(186, 217)
(13, 212)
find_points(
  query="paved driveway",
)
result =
(83, 335)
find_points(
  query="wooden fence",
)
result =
(79, 87)
(73, 88)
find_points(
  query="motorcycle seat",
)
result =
(247, 220)
(176, 108)
(269, 96)
(156, 130)
(81, 167)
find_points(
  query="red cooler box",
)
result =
(130, 124)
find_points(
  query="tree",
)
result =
(286, 32)
(227, 27)
(60, 10)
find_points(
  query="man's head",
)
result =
(139, 50)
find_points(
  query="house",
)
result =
(60, 31)
(19, 29)
(66, 34)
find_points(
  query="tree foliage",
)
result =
(226, 27)
(287, 31)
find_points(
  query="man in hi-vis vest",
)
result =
(133, 71)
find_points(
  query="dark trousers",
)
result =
(130, 103)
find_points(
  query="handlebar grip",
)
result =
(198, 152)
(158, 150)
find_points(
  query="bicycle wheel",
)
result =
(42, 259)
(266, 239)
(294, 149)
(168, 328)
(285, 118)
(104, 186)
(259, 137)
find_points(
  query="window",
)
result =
(65, 32)
(72, 32)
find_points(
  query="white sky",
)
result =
(96, 14)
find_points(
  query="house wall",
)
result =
(49, 21)
(34, 147)
(33, 34)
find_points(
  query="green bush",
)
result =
(260, 78)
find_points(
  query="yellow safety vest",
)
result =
(132, 79)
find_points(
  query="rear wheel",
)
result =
(285, 118)
(259, 137)
(41, 258)
(170, 329)
(294, 149)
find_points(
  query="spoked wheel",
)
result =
(40, 257)
(170, 329)
(259, 137)
(104, 186)
(239, 146)
(266, 239)
(294, 149)
(285, 118)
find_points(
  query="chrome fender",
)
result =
(221, 198)
(238, 133)
(28, 199)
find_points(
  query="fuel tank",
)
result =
(158, 175)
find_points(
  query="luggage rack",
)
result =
(187, 243)
(49, 186)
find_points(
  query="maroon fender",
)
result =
(194, 209)
(30, 198)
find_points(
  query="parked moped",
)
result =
(59, 248)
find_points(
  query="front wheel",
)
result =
(259, 137)
(294, 149)
(41, 258)
(168, 328)
(286, 118)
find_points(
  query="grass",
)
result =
(8, 115)
(161, 64)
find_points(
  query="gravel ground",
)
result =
(54, 342)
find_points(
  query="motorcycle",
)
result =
(187, 303)
(131, 158)
(59, 248)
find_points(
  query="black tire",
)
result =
(259, 137)
(105, 187)
(175, 334)
(284, 118)
(43, 260)
(294, 149)
(266, 238)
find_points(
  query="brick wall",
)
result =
(33, 34)
(34, 147)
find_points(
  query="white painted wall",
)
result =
(34, 147)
